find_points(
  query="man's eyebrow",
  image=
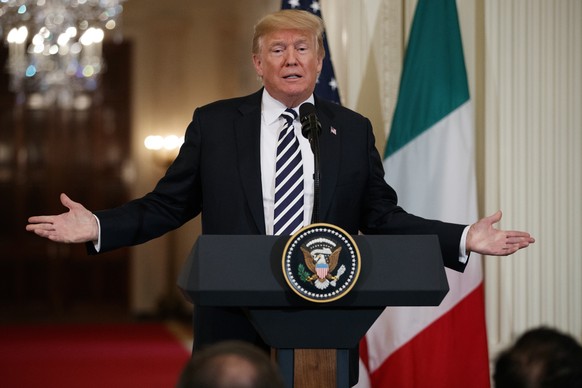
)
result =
(276, 43)
(282, 42)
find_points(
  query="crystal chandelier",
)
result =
(55, 45)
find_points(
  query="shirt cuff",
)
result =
(463, 256)
(97, 244)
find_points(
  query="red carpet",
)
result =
(110, 356)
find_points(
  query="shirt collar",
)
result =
(272, 108)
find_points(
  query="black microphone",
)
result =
(310, 126)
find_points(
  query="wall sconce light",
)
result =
(164, 148)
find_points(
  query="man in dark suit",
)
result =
(225, 172)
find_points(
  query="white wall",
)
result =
(533, 144)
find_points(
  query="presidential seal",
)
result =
(321, 263)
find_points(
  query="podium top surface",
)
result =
(246, 271)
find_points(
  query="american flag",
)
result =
(326, 86)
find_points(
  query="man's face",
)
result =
(289, 65)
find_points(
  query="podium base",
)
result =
(314, 368)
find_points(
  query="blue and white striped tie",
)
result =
(288, 180)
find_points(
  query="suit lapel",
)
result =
(248, 135)
(329, 157)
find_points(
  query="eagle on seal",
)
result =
(321, 261)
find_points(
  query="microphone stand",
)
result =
(311, 128)
(314, 142)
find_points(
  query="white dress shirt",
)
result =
(271, 125)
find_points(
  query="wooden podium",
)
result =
(312, 340)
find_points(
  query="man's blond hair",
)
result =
(290, 19)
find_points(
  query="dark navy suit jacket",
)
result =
(217, 174)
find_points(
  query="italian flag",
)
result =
(429, 161)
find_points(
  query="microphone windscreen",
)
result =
(306, 109)
(308, 118)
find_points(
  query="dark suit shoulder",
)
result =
(337, 112)
(243, 104)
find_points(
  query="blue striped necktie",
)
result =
(288, 180)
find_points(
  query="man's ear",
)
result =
(258, 64)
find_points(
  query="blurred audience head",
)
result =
(230, 364)
(540, 358)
